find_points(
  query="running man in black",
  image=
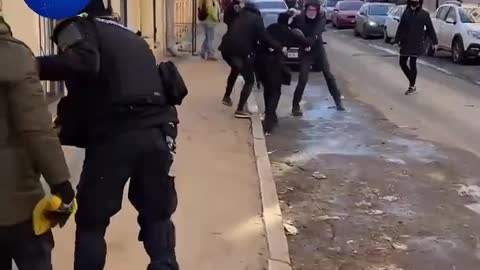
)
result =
(411, 39)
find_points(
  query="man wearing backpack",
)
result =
(117, 109)
(209, 16)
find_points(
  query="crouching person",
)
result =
(271, 69)
(29, 147)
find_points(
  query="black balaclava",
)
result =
(415, 4)
(96, 8)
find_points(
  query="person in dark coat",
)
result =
(127, 127)
(238, 48)
(312, 23)
(411, 39)
(231, 11)
(270, 68)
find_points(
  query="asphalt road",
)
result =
(447, 106)
(391, 184)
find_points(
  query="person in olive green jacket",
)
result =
(29, 147)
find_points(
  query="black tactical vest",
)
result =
(128, 69)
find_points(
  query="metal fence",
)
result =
(186, 25)
(52, 90)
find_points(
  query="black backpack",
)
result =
(174, 87)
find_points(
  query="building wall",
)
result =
(28, 26)
(24, 22)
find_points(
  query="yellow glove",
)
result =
(50, 212)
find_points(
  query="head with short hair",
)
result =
(98, 8)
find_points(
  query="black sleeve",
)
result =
(430, 29)
(264, 37)
(228, 15)
(297, 39)
(400, 30)
(294, 23)
(80, 54)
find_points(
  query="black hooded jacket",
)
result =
(245, 32)
(312, 29)
(411, 31)
(230, 12)
(283, 34)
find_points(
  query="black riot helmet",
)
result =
(98, 8)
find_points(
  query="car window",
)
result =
(331, 3)
(452, 14)
(271, 5)
(470, 15)
(442, 13)
(393, 11)
(269, 18)
(378, 10)
(400, 11)
(350, 6)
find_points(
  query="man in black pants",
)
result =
(411, 36)
(129, 131)
(312, 23)
(238, 47)
(271, 69)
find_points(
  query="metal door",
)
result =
(186, 25)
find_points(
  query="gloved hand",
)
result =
(56, 209)
(64, 191)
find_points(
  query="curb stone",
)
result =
(279, 257)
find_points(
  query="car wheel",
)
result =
(386, 38)
(355, 32)
(429, 51)
(364, 33)
(458, 51)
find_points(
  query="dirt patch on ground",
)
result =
(365, 195)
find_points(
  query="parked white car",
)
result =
(458, 30)
(330, 7)
(392, 21)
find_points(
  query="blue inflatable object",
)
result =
(57, 9)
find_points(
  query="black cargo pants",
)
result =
(240, 65)
(304, 70)
(29, 251)
(145, 157)
(269, 69)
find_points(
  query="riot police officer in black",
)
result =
(117, 110)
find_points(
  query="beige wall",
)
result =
(24, 23)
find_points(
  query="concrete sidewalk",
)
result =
(219, 224)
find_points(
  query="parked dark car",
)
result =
(370, 21)
(344, 14)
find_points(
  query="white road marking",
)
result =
(422, 62)
(475, 207)
(477, 82)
